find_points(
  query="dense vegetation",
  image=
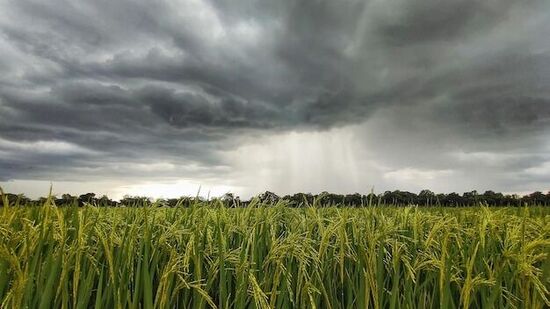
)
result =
(423, 198)
(207, 255)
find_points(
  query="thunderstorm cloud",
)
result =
(247, 96)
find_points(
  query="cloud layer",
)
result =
(169, 90)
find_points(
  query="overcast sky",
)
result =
(158, 98)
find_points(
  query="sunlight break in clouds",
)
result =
(173, 189)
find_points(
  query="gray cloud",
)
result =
(185, 82)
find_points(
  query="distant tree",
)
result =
(388, 198)
(323, 199)
(67, 197)
(268, 197)
(397, 197)
(172, 202)
(426, 197)
(105, 201)
(229, 200)
(301, 199)
(535, 198)
(23, 200)
(66, 200)
(370, 199)
(470, 198)
(492, 198)
(14, 199)
(452, 199)
(183, 201)
(510, 200)
(327, 199)
(41, 200)
(88, 198)
(408, 198)
(354, 199)
(441, 199)
(135, 201)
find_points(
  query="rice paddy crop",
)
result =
(272, 256)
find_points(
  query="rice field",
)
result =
(273, 256)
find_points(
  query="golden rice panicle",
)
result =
(274, 256)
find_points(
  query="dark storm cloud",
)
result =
(418, 22)
(183, 81)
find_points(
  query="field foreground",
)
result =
(274, 257)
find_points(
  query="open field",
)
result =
(274, 257)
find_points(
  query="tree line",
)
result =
(323, 199)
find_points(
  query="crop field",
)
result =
(273, 256)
